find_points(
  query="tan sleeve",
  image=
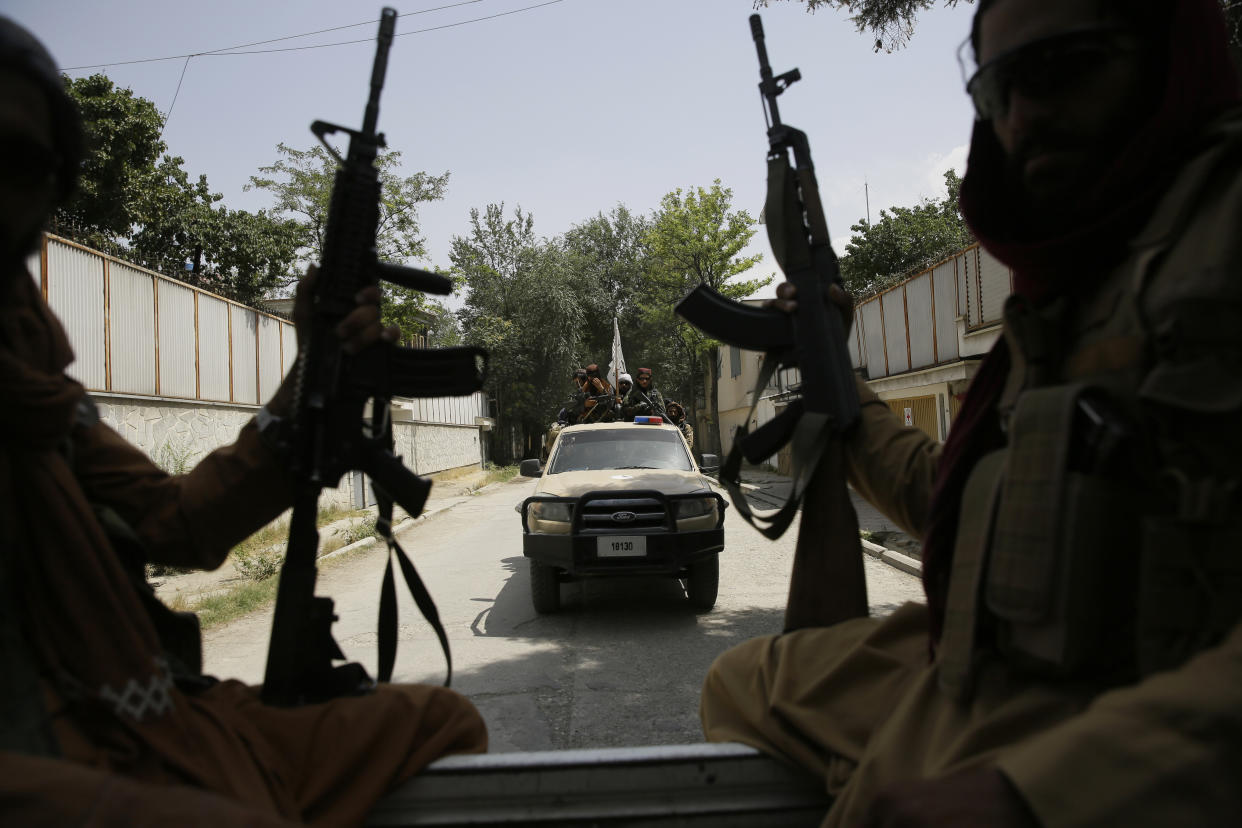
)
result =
(891, 464)
(191, 520)
(1166, 751)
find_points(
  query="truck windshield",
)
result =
(637, 448)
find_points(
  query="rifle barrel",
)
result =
(388, 25)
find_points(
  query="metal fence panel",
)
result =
(919, 313)
(290, 355)
(943, 282)
(995, 287)
(213, 348)
(269, 357)
(176, 304)
(75, 293)
(873, 339)
(245, 365)
(131, 329)
(34, 266)
(961, 287)
(895, 331)
(851, 340)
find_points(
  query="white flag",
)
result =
(617, 367)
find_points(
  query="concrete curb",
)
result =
(905, 563)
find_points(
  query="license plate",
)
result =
(623, 546)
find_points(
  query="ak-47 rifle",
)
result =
(326, 435)
(828, 583)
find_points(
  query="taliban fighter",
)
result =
(1082, 530)
(105, 722)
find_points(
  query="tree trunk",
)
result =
(713, 401)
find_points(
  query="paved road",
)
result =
(621, 664)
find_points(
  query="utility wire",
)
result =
(370, 39)
(273, 40)
(168, 114)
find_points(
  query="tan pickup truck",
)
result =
(621, 499)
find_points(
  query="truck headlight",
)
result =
(543, 510)
(694, 507)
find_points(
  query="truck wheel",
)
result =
(545, 588)
(703, 582)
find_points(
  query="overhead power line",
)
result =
(233, 50)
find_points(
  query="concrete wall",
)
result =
(432, 447)
(177, 434)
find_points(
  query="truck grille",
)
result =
(599, 516)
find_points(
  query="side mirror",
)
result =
(710, 464)
(531, 468)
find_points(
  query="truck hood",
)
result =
(573, 484)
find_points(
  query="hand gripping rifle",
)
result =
(828, 583)
(326, 435)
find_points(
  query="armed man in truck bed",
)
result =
(1079, 658)
(104, 720)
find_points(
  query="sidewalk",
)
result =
(448, 490)
(769, 490)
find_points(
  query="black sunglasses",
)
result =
(25, 162)
(1044, 67)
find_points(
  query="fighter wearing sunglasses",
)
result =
(1079, 657)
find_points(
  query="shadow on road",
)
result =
(621, 663)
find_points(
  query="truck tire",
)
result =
(545, 588)
(703, 582)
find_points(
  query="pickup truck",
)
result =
(622, 498)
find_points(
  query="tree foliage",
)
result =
(301, 182)
(524, 303)
(136, 201)
(695, 238)
(891, 22)
(905, 239)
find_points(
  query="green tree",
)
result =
(609, 255)
(524, 303)
(694, 238)
(140, 203)
(905, 239)
(122, 141)
(301, 182)
(891, 22)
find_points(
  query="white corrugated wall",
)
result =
(245, 366)
(269, 357)
(895, 331)
(177, 362)
(131, 329)
(213, 348)
(75, 292)
(919, 315)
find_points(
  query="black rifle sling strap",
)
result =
(386, 634)
(810, 435)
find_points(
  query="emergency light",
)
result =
(649, 420)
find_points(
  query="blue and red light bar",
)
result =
(645, 420)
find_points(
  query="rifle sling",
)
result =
(387, 631)
(828, 583)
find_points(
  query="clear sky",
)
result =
(566, 109)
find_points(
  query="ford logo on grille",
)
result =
(623, 517)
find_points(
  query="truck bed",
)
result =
(665, 785)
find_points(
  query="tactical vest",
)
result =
(1104, 542)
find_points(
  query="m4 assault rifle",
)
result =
(327, 434)
(828, 583)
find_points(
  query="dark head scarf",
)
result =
(1198, 84)
(22, 53)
